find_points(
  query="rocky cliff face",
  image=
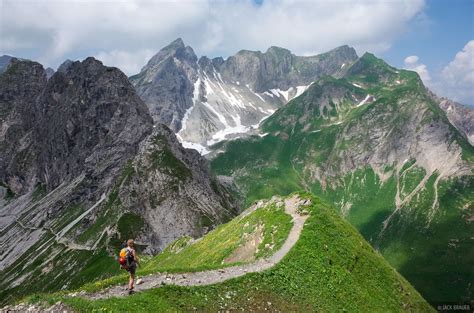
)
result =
(83, 168)
(20, 87)
(166, 83)
(207, 101)
(278, 68)
(461, 116)
(91, 122)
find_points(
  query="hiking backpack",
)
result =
(125, 258)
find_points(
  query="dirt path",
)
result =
(220, 275)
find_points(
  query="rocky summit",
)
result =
(207, 100)
(83, 168)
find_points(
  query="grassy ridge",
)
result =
(331, 268)
(211, 251)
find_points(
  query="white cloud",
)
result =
(51, 31)
(129, 62)
(412, 64)
(412, 59)
(461, 69)
(455, 80)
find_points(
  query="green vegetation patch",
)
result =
(129, 225)
(211, 251)
(39, 192)
(164, 159)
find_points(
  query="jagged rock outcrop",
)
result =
(206, 101)
(4, 61)
(278, 68)
(82, 168)
(166, 83)
(461, 116)
(170, 188)
(20, 87)
(91, 121)
(54, 130)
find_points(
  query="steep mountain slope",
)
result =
(83, 168)
(330, 268)
(376, 145)
(205, 101)
(4, 61)
(462, 117)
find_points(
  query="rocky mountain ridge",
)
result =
(208, 100)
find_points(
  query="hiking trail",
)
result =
(219, 275)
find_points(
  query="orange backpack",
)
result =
(124, 257)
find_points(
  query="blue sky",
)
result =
(441, 30)
(433, 37)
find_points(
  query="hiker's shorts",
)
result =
(132, 268)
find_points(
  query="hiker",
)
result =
(129, 261)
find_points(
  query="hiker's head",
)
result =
(130, 243)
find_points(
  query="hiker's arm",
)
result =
(135, 257)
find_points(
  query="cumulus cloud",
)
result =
(129, 62)
(412, 64)
(461, 69)
(455, 80)
(51, 31)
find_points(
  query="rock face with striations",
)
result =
(57, 129)
(20, 87)
(83, 168)
(461, 116)
(91, 121)
(278, 68)
(166, 83)
(210, 100)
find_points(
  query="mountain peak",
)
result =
(178, 43)
(4, 61)
(64, 66)
(275, 49)
(346, 51)
(175, 49)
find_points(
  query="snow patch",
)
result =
(192, 145)
(259, 96)
(228, 130)
(364, 101)
(282, 93)
(300, 90)
(189, 110)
